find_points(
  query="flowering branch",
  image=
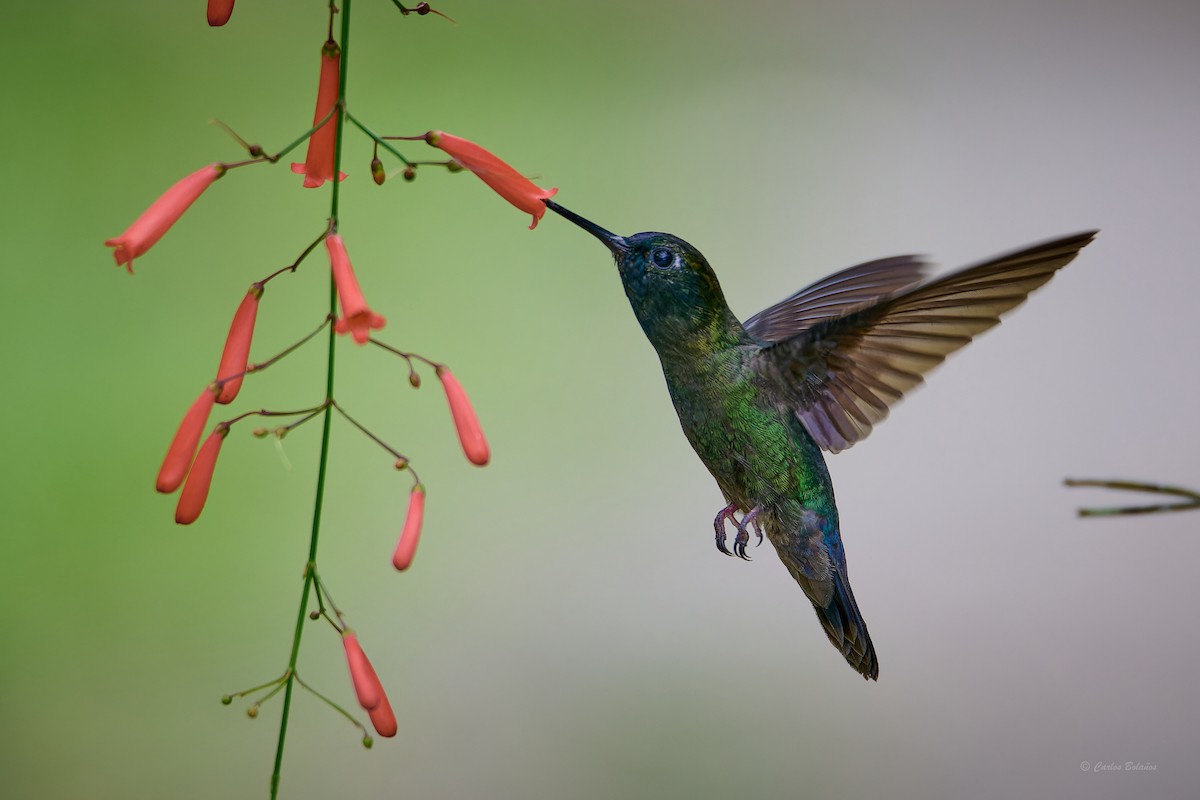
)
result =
(191, 457)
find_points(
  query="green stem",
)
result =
(378, 139)
(394, 453)
(316, 126)
(335, 707)
(323, 462)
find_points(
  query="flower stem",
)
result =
(379, 140)
(316, 126)
(261, 365)
(334, 706)
(391, 450)
(323, 460)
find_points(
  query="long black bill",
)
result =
(613, 242)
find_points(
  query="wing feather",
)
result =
(841, 372)
(832, 296)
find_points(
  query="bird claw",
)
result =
(743, 533)
(719, 527)
(740, 542)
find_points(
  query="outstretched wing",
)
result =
(843, 373)
(835, 295)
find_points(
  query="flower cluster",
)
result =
(190, 462)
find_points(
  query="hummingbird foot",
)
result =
(719, 526)
(743, 534)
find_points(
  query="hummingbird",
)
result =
(760, 400)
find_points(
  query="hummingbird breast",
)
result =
(750, 441)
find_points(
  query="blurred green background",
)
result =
(568, 630)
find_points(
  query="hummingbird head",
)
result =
(674, 292)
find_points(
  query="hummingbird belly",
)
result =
(758, 452)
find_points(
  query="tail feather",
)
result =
(844, 625)
(813, 555)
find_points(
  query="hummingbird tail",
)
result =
(844, 625)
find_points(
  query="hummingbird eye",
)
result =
(662, 257)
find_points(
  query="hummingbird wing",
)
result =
(843, 373)
(834, 295)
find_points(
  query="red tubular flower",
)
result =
(219, 12)
(474, 445)
(504, 180)
(407, 546)
(199, 478)
(237, 345)
(179, 455)
(161, 215)
(318, 164)
(357, 319)
(383, 718)
(362, 675)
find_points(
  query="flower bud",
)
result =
(362, 675)
(199, 478)
(406, 548)
(383, 718)
(183, 447)
(470, 434)
(219, 12)
(236, 354)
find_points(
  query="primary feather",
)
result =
(844, 371)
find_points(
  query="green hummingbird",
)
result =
(759, 400)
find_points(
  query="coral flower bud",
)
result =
(474, 445)
(219, 12)
(504, 180)
(366, 683)
(183, 447)
(377, 173)
(237, 345)
(357, 319)
(161, 215)
(318, 163)
(383, 718)
(407, 546)
(199, 478)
